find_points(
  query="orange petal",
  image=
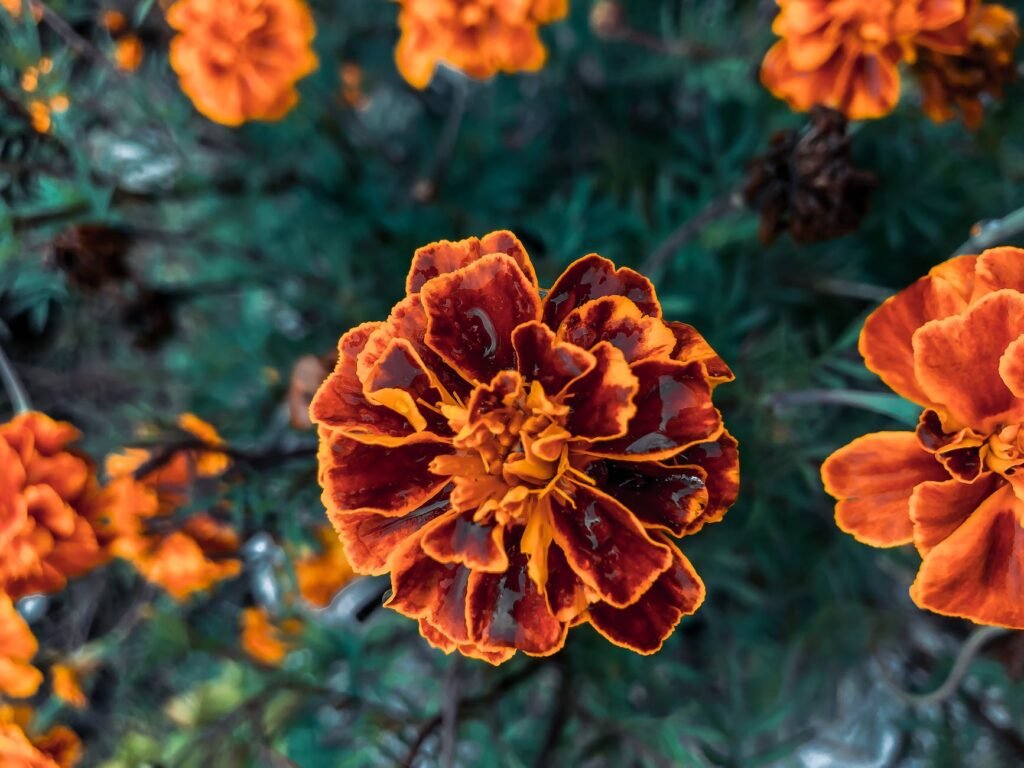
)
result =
(956, 361)
(591, 278)
(622, 324)
(977, 572)
(937, 509)
(873, 478)
(646, 624)
(399, 380)
(886, 341)
(668, 498)
(566, 592)
(369, 539)
(607, 546)
(445, 256)
(867, 86)
(472, 312)
(720, 461)
(442, 642)
(1011, 367)
(999, 268)
(458, 539)
(602, 399)
(692, 347)
(540, 356)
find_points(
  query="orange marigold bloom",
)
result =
(478, 37)
(182, 558)
(239, 60)
(320, 575)
(520, 461)
(59, 747)
(47, 494)
(845, 54)
(953, 342)
(67, 685)
(18, 678)
(263, 640)
(128, 52)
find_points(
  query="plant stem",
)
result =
(992, 233)
(15, 391)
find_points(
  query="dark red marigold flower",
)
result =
(520, 462)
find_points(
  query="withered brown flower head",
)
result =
(93, 256)
(807, 184)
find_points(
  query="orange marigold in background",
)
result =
(845, 54)
(145, 491)
(519, 461)
(47, 494)
(239, 60)
(18, 678)
(263, 640)
(953, 342)
(478, 37)
(321, 574)
(20, 747)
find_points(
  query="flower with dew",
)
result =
(520, 461)
(48, 493)
(239, 60)
(18, 678)
(953, 342)
(145, 492)
(480, 38)
(846, 54)
(22, 747)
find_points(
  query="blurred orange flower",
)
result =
(845, 54)
(183, 557)
(239, 60)
(47, 494)
(263, 640)
(320, 575)
(953, 342)
(128, 52)
(478, 37)
(520, 464)
(59, 747)
(66, 685)
(18, 678)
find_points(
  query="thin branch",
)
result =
(74, 40)
(994, 232)
(557, 719)
(450, 714)
(12, 385)
(717, 209)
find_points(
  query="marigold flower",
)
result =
(320, 575)
(139, 525)
(239, 60)
(47, 494)
(520, 464)
(263, 640)
(952, 84)
(953, 342)
(845, 54)
(67, 686)
(478, 37)
(59, 747)
(18, 678)
(128, 53)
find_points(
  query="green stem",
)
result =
(15, 391)
(993, 233)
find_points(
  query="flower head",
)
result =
(18, 678)
(47, 494)
(321, 574)
(263, 640)
(845, 54)
(20, 747)
(145, 492)
(519, 462)
(239, 60)
(478, 37)
(953, 342)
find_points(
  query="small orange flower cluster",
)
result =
(239, 60)
(42, 108)
(952, 342)
(128, 50)
(520, 461)
(845, 54)
(478, 37)
(22, 747)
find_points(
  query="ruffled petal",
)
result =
(667, 498)
(602, 399)
(622, 324)
(369, 539)
(458, 539)
(439, 640)
(956, 361)
(397, 379)
(673, 411)
(422, 588)
(607, 547)
(999, 268)
(937, 509)
(692, 347)
(376, 478)
(977, 572)
(566, 592)
(873, 478)
(867, 86)
(720, 461)
(591, 278)
(1011, 367)
(646, 624)
(472, 312)
(886, 341)
(540, 356)
(445, 256)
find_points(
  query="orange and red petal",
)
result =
(872, 479)
(566, 592)
(602, 399)
(607, 547)
(999, 268)
(646, 624)
(673, 411)
(720, 460)
(370, 539)
(458, 539)
(691, 347)
(800, 89)
(439, 640)
(387, 480)
(591, 278)
(421, 587)
(976, 573)
(472, 312)
(540, 356)
(622, 324)
(446, 256)
(938, 508)
(956, 361)
(886, 340)
(399, 381)
(867, 85)
(668, 498)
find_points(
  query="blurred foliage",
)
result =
(263, 244)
